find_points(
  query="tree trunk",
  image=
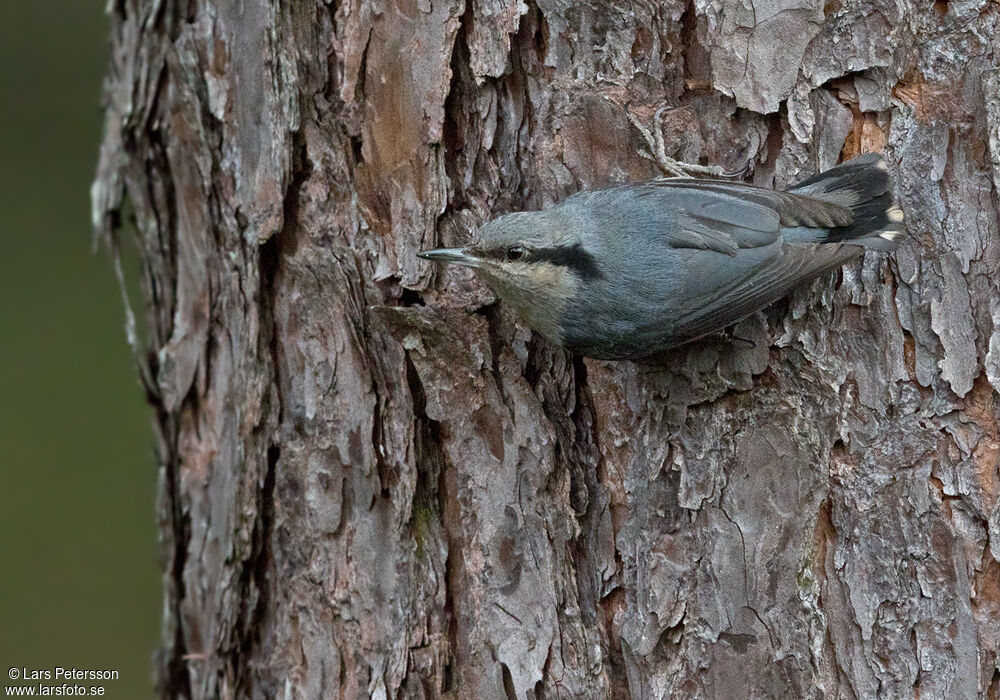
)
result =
(374, 481)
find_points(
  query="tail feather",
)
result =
(861, 184)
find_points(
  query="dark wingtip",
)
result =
(862, 184)
(858, 179)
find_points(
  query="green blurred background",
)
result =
(79, 582)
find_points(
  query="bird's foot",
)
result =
(657, 152)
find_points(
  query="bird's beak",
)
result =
(459, 256)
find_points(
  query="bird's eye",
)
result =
(515, 253)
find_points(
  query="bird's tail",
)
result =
(862, 185)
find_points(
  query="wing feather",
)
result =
(762, 285)
(791, 208)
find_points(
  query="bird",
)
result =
(629, 271)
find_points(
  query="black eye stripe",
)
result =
(573, 257)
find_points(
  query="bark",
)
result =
(375, 482)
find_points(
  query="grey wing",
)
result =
(744, 291)
(709, 214)
(707, 219)
(681, 262)
(791, 208)
(681, 217)
(745, 223)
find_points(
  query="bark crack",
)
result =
(176, 680)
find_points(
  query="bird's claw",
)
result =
(670, 166)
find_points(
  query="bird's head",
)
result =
(532, 260)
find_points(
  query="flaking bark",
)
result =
(375, 482)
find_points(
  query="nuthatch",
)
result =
(631, 270)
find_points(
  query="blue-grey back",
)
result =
(675, 263)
